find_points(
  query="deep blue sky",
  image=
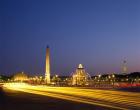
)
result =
(96, 33)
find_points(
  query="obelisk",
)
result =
(47, 69)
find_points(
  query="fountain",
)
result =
(80, 77)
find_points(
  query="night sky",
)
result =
(100, 34)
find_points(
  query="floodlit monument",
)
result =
(20, 77)
(47, 69)
(124, 67)
(80, 76)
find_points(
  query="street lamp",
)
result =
(99, 76)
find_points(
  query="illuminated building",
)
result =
(20, 77)
(80, 77)
(47, 69)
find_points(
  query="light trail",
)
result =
(106, 98)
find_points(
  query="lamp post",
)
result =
(99, 76)
(113, 79)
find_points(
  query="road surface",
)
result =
(105, 99)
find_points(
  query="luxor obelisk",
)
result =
(47, 69)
